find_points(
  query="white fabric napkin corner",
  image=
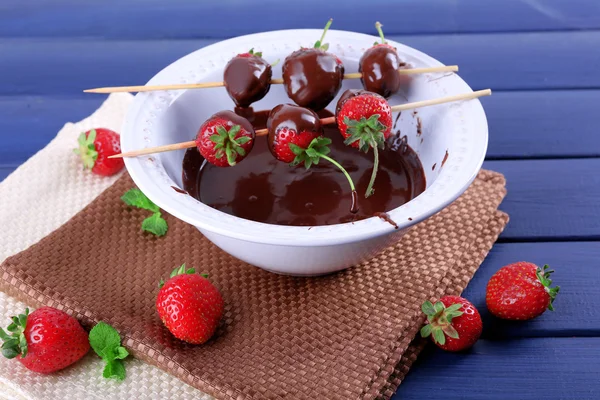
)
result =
(36, 199)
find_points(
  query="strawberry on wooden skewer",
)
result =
(225, 139)
(365, 121)
(296, 137)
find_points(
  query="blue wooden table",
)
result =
(541, 57)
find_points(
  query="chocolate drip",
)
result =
(385, 216)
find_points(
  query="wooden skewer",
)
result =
(277, 81)
(324, 121)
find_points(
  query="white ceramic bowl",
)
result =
(158, 118)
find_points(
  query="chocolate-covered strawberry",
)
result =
(296, 137)
(247, 78)
(225, 139)
(365, 121)
(379, 68)
(312, 77)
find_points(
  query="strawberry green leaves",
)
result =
(154, 224)
(87, 149)
(14, 341)
(227, 145)
(543, 276)
(182, 270)
(106, 342)
(439, 320)
(257, 54)
(369, 132)
(319, 43)
(317, 149)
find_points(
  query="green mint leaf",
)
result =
(136, 198)
(155, 224)
(104, 339)
(106, 342)
(121, 353)
(114, 369)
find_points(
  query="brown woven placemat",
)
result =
(343, 336)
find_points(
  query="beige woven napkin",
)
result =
(342, 336)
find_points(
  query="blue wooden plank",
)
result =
(576, 310)
(526, 369)
(5, 170)
(522, 124)
(191, 18)
(551, 199)
(543, 124)
(500, 61)
(28, 123)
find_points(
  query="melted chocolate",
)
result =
(266, 190)
(178, 190)
(312, 78)
(385, 216)
(295, 118)
(379, 67)
(445, 158)
(247, 79)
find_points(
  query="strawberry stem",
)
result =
(378, 27)
(326, 29)
(370, 190)
(331, 160)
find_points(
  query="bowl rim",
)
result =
(447, 187)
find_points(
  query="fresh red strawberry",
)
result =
(95, 146)
(225, 139)
(189, 305)
(45, 341)
(453, 323)
(247, 78)
(365, 121)
(520, 291)
(379, 68)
